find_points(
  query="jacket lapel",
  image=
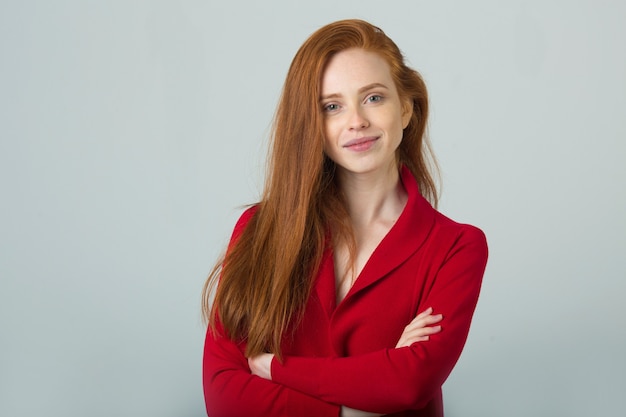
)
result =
(402, 241)
(404, 238)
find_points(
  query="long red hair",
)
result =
(266, 276)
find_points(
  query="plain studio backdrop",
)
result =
(133, 131)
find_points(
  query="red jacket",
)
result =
(345, 355)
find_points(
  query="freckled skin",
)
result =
(364, 115)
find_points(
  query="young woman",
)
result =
(343, 291)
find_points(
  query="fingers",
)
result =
(410, 336)
(408, 340)
(421, 333)
(420, 328)
(426, 317)
(425, 313)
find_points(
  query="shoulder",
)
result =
(463, 230)
(431, 223)
(460, 236)
(247, 214)
(243, 221)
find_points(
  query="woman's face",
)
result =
(363, 113)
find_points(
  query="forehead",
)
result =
(354, 68)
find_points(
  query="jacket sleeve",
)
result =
(230, 390)
(393, 380)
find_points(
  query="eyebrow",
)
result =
(360, 91)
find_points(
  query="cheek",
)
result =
(396, 132)
(330, 124)
(330, 143)
(330, 132)
(326, 145)
(395, 125)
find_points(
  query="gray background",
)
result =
(132, 131)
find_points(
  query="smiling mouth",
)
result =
(360, 142)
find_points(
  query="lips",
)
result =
(361, 144)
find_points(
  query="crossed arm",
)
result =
(418, 330)
(236, 386)
(405, 378)
(382, 382)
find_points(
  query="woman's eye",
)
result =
(330, 107)
(374, 98)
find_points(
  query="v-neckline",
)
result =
(404, 238)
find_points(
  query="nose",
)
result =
(358, 120)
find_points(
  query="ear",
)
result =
(407, 112)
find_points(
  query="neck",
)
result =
(372, 197)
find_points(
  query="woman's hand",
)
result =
(420, 328)
(261, 365)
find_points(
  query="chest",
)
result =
(347, 269)
(371, 315)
